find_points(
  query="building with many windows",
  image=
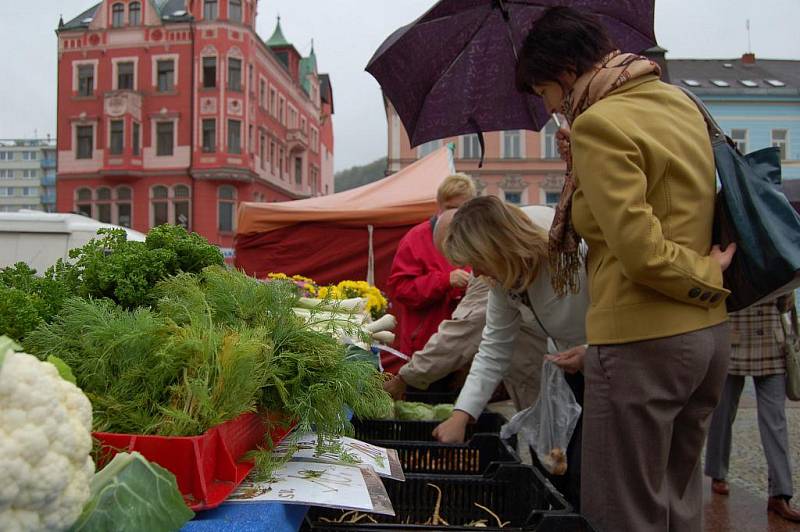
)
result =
(27, 175)
(522, 167)
(175, 111)
(756, 101)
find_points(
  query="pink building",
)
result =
(520, 166)
(176, 111)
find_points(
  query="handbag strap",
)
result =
(528, 303)
(715, 132)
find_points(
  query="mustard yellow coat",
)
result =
(644, 203)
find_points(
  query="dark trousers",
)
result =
(647, 407)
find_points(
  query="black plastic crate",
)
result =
(517, 493)
(471, 458)
(395, 429)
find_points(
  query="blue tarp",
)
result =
(249, 517)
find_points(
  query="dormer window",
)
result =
(117, 15)
(134, 13)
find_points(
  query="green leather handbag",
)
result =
(752, 211)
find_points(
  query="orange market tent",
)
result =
(347, 235)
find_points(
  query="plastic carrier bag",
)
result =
(547, 426)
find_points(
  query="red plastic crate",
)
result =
(207, 467)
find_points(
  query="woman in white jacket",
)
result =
(509, 246)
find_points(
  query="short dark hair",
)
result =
(562, 40)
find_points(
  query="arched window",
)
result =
(159, 205)
(124, 209)
(83, 201)
(103, 204)
(181, 205)
(226, 208)
(171, 206)
(134, 13)
(118, 15)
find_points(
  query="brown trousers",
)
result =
(647, 407)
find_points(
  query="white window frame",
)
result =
(76, 201)
(235, 53)
(273, 98)
(785, 141)
(282, 109)
(115, 71)
(116, 201)
(314, 139)
(549, 138)
(468, 138)
(241, 12)
(175, 74)
(215, 57)
(521, 134)
(108, 135)
(746, 138)
(95, 148)
(76, 82)
(124, 21)
(241, 151)
(141, 13)
(235, 200)
(170, 200)
(154, 135)
(216, 10)
(263, 100)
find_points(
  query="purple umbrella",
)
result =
(451, 72)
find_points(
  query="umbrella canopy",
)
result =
(452, 71)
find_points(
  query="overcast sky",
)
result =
(346, 32)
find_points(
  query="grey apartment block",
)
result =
(27, 174)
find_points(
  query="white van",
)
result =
(39, 239)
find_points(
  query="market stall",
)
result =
(346, 235)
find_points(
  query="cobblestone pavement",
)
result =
(748, 467)
(745, 509)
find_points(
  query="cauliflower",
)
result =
(45, 442)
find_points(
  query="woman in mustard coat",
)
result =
(641, 194)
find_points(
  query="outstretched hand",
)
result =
(454, 429)
(571, 361)
(396, 387)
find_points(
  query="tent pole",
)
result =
(371, 259)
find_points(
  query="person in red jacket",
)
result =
(424, 288)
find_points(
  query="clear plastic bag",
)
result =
(547, 426)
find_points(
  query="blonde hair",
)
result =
(498, 239)
(456, 186)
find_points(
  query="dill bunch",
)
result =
(146, 374)
(314, 382)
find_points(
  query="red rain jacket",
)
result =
(420, 292)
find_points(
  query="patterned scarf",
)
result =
(613, 71)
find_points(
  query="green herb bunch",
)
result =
(310, 377)
(27, 300)
(212, 346)
(126, 271)
(146, 374)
